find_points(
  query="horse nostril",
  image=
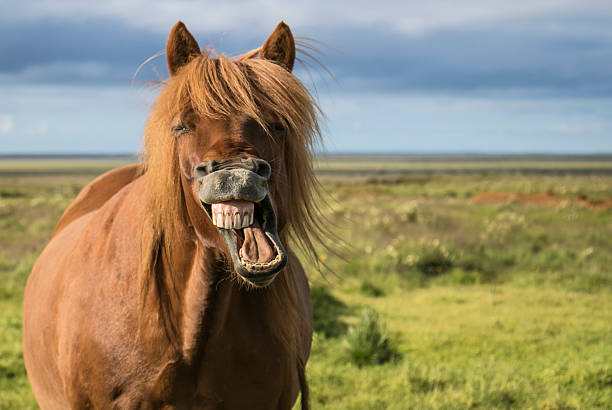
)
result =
(263, 168)
(204, 168)
(258, 166)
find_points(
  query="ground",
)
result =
(491, 281)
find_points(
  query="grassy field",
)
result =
(442, 301)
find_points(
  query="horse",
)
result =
(173, 283)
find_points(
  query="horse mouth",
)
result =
(249, 230)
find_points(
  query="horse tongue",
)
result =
(256, 247)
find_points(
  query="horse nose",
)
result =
(258, 166)
(204, 168)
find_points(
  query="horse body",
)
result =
(133, 307)
(225, 336)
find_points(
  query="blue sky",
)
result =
(436, 76)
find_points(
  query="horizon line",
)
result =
(108, 155)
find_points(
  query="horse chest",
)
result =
(235, 371)
(244, 355)
(244, 376)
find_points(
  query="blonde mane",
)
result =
(218, 88)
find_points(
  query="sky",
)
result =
(442, 76)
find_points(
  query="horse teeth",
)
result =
(233, 214)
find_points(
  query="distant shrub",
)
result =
(502, 225)
(367, 341)
(539, 242)
(10, 192)
(409, 212)
(490, 261)
(368, 289)
(326, 312)
(434, 259)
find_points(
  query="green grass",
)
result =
(399, 165)
(367, 342)
(504, 305)
(59, 167)
(476, 346)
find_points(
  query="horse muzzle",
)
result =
(235, 195)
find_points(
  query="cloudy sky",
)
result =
(409, 76)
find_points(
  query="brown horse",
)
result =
(171, 284)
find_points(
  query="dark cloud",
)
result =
(30, 46)
(527, 55)
(488, 58)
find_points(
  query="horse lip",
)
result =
(260, 280)
(258, 277)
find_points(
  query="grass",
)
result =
(486, 347)
(367, 342)
(479, 305)
(57, 167)
(399, 165)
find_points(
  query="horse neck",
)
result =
(193, 269)
(200, 299)
(209, 297)
(216, 304)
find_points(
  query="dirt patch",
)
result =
(541, 198)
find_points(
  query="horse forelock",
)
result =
(219, 88)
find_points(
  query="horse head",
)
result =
(233, 125)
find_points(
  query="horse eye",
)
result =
(180, 129)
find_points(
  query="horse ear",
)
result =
(280, 47)
(181, 47)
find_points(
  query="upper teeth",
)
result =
(233, 214)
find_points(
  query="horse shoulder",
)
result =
(97, 193)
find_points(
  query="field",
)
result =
(467, 282)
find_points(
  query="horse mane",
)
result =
(218, 87)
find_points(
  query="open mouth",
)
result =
(249, 230)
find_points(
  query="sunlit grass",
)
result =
(485, 347)
(59, 166)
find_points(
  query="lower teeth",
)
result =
(259, 265)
